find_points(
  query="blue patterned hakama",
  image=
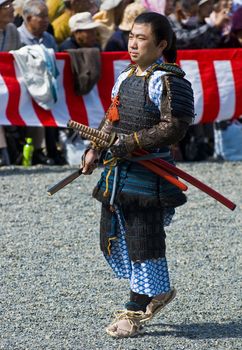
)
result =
(150, 277)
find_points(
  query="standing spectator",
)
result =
(119, 39)
(83, 32)
(32, 32)
(9, 40)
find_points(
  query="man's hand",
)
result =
(89, 161)
(218, 19)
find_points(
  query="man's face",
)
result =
(85, 38)
(6, 13)
(142, 47)
(38, 24)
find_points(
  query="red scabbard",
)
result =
(189, 178)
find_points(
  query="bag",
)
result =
(86, 68)
(228, 141)
(38, 68)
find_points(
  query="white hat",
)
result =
(82, 21)
(109, 4)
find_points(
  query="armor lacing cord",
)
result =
(137, 139)
(110, 244)
(112, 163)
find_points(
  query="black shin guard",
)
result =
(138, 302)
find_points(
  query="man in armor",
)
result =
(152, 107)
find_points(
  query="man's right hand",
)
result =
(89, 161)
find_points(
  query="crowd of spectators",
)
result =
(105, 24)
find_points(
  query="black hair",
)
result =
(186, 4)
(162, 31)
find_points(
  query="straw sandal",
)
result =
(157, 304)
(126, 324)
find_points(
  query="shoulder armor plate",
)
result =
(178, 97)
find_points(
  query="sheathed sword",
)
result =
(64, 182)
(104, 140)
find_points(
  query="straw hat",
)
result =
(109, 4)
(82, 21)
(130, 13)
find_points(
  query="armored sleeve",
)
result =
(177, 112)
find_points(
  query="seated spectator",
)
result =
(9, 40)
(60, 24)
(32, 32)
(119, 39)
(191, 29)
(18, 15)
(36, 21)
(109, 16)
(83, 32)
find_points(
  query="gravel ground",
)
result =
(58, 293)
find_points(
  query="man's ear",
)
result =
(163, 44)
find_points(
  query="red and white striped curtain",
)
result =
(216, 77)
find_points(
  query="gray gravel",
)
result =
(58, 293)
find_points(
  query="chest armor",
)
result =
(136, 110)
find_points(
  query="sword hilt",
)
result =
(99, 138)
(89, 131)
